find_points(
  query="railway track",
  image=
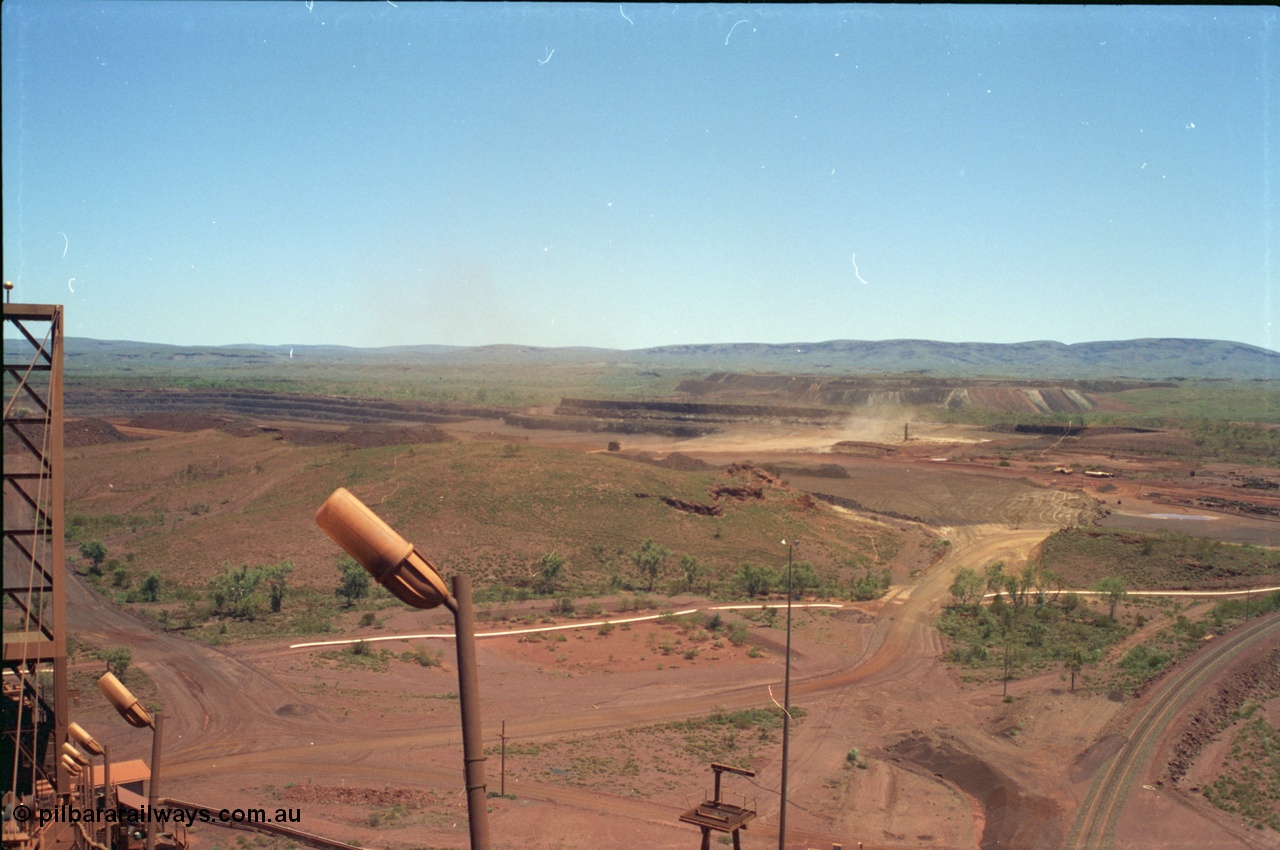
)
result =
(1099, 813)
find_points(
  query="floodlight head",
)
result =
(392, 561)
(69, 750)
(71, 766)
(84, 739)
(125, 703)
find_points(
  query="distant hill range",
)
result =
(1141, 359)
(1146, 359)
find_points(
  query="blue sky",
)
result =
(628, 176)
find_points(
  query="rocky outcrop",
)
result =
(1259, 680)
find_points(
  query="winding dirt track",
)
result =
(250, 738)
(193, 680)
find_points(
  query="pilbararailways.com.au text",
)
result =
(152, 814)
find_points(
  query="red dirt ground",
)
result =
(375, 757)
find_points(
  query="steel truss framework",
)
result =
(34, 596)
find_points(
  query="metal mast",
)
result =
(34, 595)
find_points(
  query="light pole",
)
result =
(137, 716)
(75, 762)
(399, 567)
(786, 705)
(90, 746)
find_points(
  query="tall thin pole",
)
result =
(786, 712)
(85, 783)
(469, 700)
(153, 784)
(108, 798)
(502, 792)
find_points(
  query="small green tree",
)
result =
(1011, 586)
(120, 576)
(1027, 581)
(1046, 580)
(1013, 656)
(967, 586)
(117, 660)
(754, 579)
(691, 569)
(354, 583)
(95, 552)
(277, 578)
(151, 587)
(650, 558)
(871, 585)
(1074, 661)
(803, 576)
(549, 568)
(995, 580)
(1113, 590)
(234, 591)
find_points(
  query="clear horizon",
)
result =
(625, 177)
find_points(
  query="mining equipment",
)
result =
(50, 764)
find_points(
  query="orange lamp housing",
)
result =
(69, 750)
(125, 703)
(84, 739)
(392, 561)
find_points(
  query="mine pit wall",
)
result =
(588, 424)
(614, 416)
(830, 393)
(854, 505)
(266, 405)
(874, 392)
(692, 410)
(1041, 400)
(1049, 430)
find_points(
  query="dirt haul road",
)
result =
(231, 728)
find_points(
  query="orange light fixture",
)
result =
(124, 701)
(393, 561)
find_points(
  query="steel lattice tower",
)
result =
(34, 598)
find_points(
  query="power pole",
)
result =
(502, 785)
(786, 707)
